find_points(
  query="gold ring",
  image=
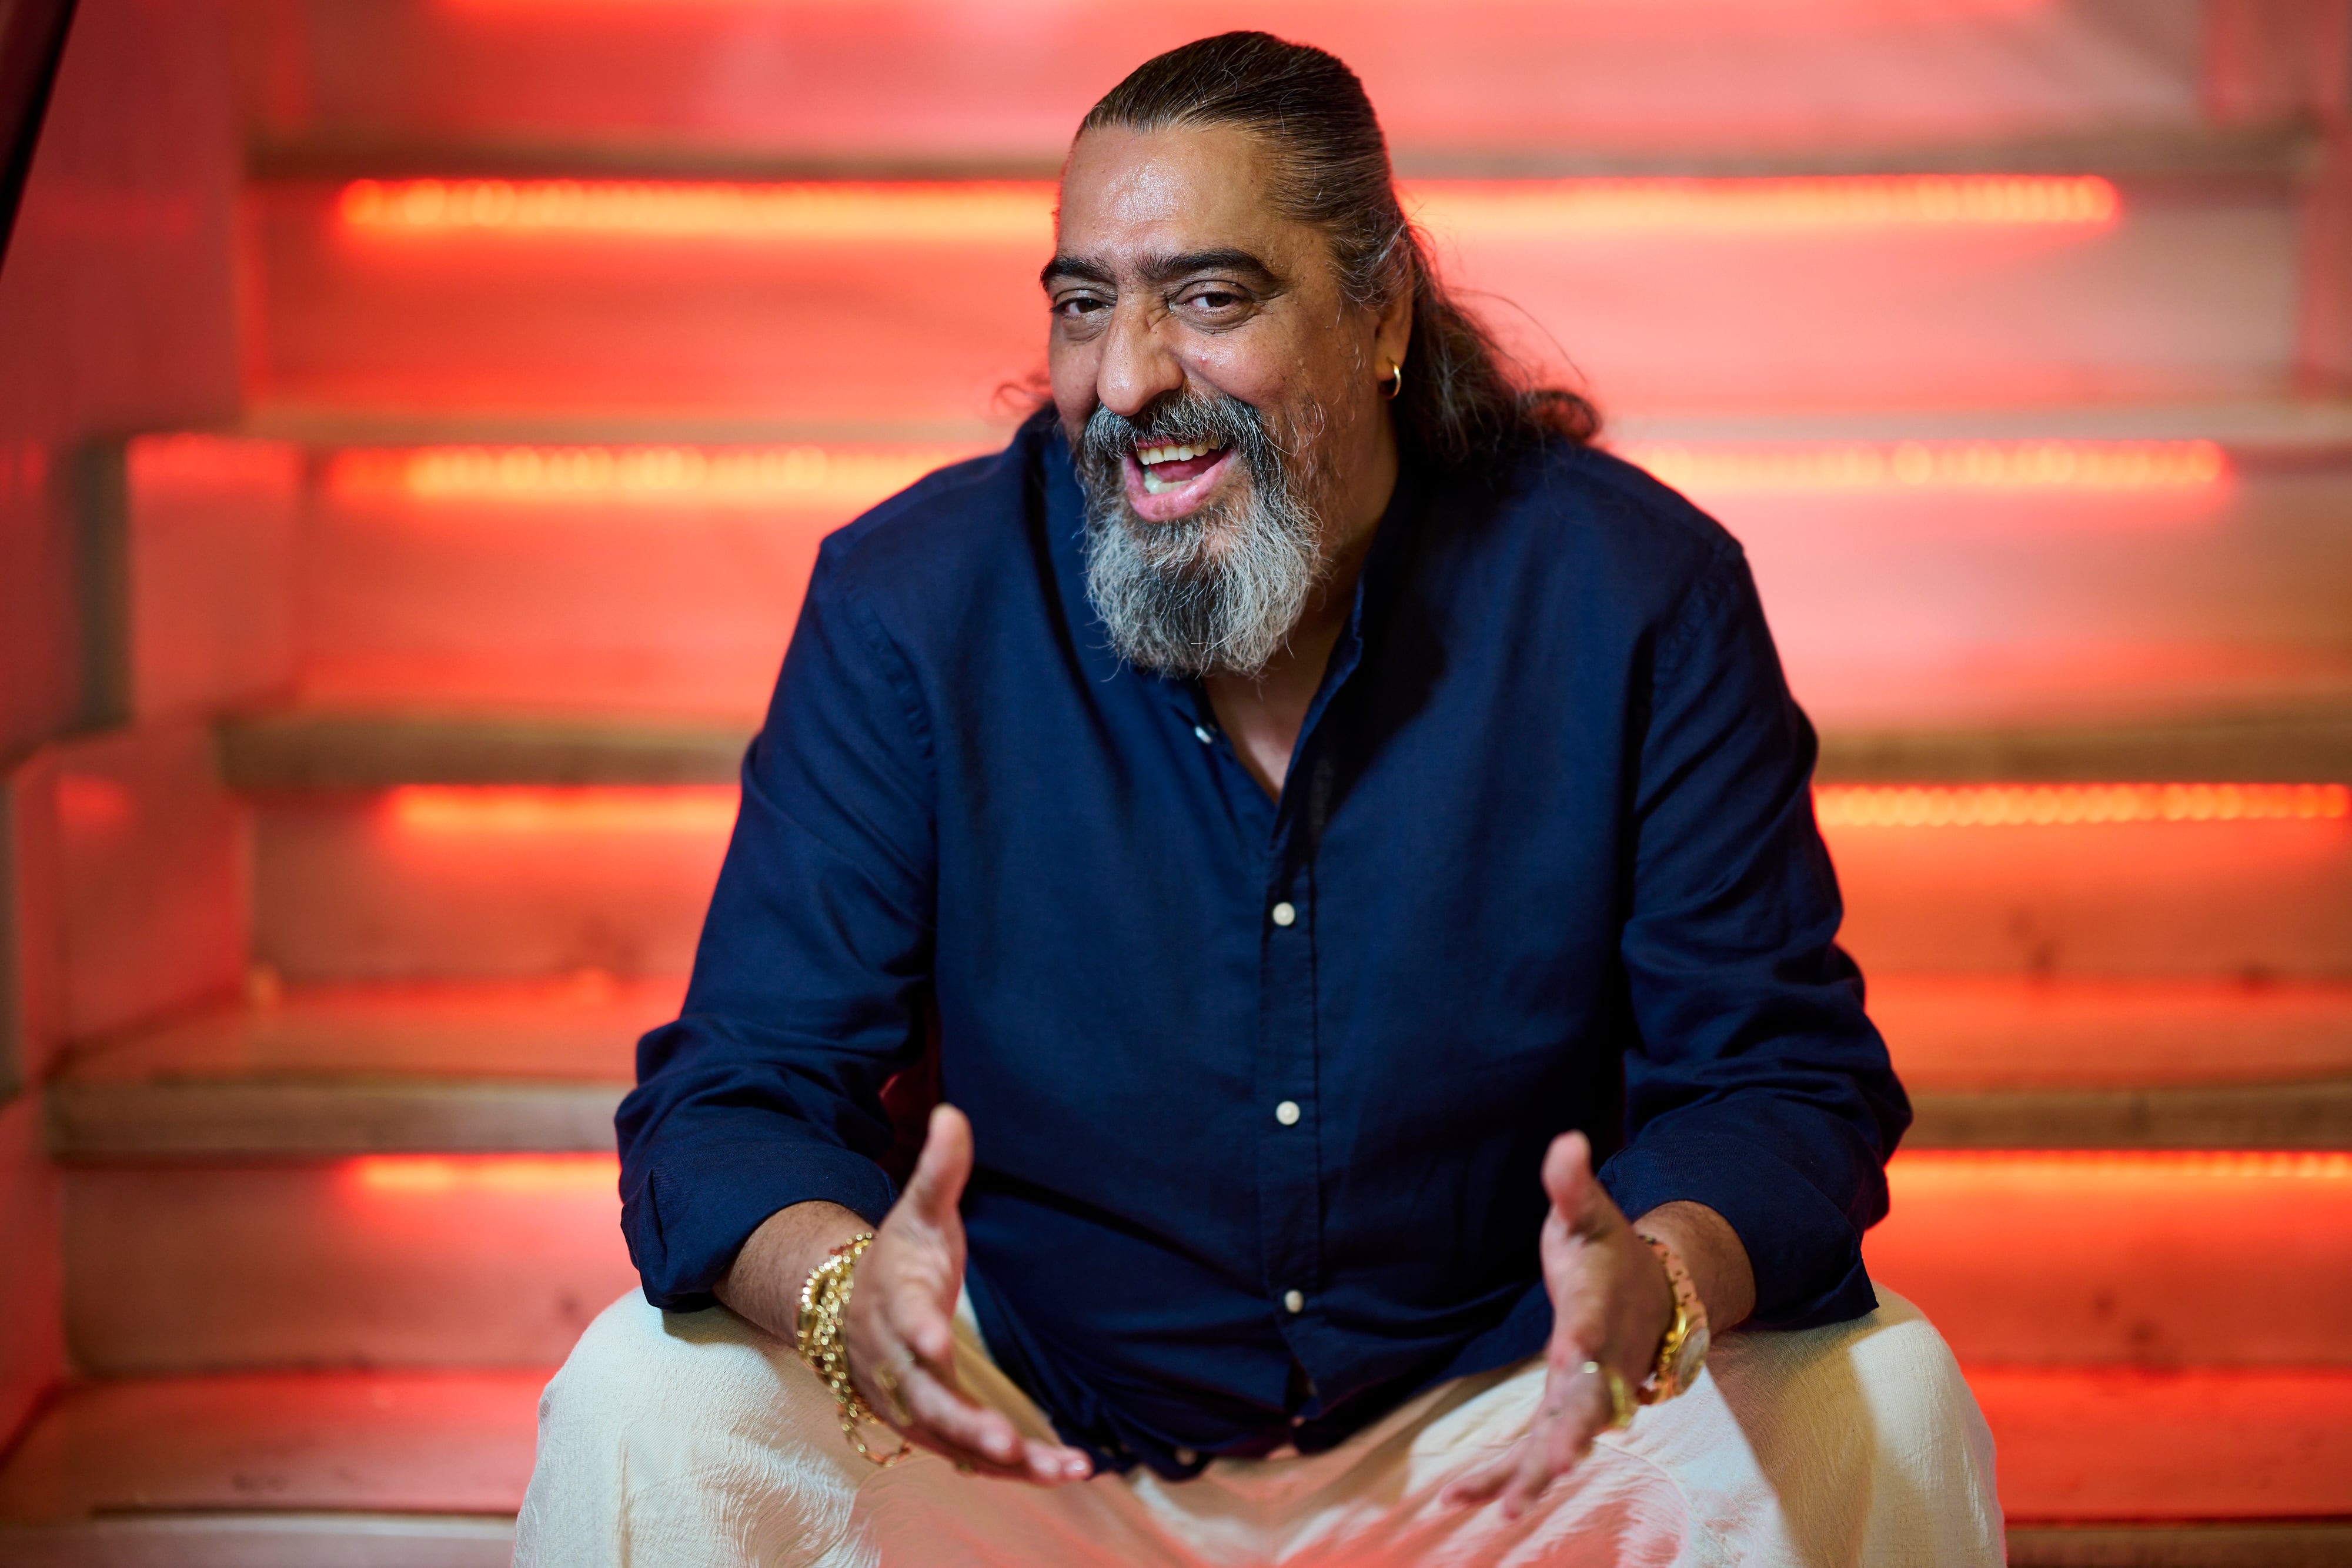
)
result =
(1621, 1398)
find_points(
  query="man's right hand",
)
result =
(901, 1324)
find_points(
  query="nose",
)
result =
(1137, 367)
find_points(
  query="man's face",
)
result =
(1219, 392)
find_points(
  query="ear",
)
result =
(1392, 330)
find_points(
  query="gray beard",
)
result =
(1213, 593)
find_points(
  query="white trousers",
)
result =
(696, 1439)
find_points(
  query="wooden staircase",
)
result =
(574, 327)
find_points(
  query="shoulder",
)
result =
(1600, 506)
(931, 536)
(1587, 537)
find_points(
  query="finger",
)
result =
(942, 1411)
(942, 1169)
(1575, 1192)
(1050, 1464)
(1483, 1482)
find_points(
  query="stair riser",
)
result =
(944, 82)
(362, 887)
(357, 889)
(1890, 605)
(195, 1268)
(2160, 1261)
(2247, 898)
(2179, 298)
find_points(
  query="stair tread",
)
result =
(306, 749)
(2075, 1444)
(538, 1066)
(2315, 424)
(372, 747)
(425, 1442)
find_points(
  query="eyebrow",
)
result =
(1162, 268)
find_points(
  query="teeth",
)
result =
(1148, 454)
(1152, 486)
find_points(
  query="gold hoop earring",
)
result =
(1395, 387)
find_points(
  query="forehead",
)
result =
(1127, 194)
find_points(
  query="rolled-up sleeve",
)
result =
(1760, 1088)
(807, 989)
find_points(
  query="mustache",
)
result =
(1192, 419)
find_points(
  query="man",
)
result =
(1305, 805)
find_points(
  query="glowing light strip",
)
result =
(434, 809)
(503, 1176)
(2065, 1166)
(972, 212)
(2068, 805)
(1934, 465)
(1021, 211)
(1517, 209)
(836, 476)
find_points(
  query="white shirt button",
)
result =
(1203, 733)
(1287, 1112)
(1185, 1456)
(1292, 1300)
(1284, 915)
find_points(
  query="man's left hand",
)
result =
(1611, 1303)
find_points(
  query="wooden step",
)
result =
(932, 84)
(1992, 1061)
(2188, 291)
(2154, 1257)
(322, 747)
(426, 883)
(238, 1540)
(2198, 1444)
(382, 1261)
(344, 749)
(528, 1067)
(2123, 1258)
(289, 1443)
(665, 578)
(452, 883)
(156, 1472)
(2269, 1544)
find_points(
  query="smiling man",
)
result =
(1344, 850)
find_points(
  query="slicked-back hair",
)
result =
(1460, 403)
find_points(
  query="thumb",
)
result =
(1569, 1182)
(945, 1166)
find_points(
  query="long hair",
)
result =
(1460, 403)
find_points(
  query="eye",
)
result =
(1079, 314)
(1216, 303)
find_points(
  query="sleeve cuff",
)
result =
(697, 1206)
(1806, 1254)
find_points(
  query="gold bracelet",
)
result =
(825, 1310)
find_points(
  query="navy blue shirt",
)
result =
(1260, 1089)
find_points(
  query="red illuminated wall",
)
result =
(418, 418)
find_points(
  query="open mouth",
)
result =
(1168, 479)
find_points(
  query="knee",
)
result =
(693, 1438)
(638, 1368)
(1907, 1376)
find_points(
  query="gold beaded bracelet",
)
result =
(825, 1310)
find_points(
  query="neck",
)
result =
(1263, 714)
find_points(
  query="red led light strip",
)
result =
(505, 1175)
(1021, 212)
(639, 476)
(434, 809)
(2069, 805)
(710, 810)
(1934, 465)
(853, 477)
